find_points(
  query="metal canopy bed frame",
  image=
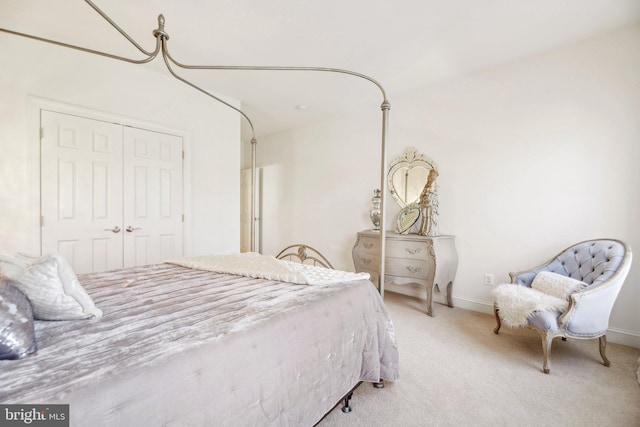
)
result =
(162, 38)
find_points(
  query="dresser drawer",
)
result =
(395, 248)
(408, 249)
(366, 262)
(404, 267)
(369, 245)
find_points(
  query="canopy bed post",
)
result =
(254, 143)
(386, 106)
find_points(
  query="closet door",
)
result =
(153, 211)
(81, 191)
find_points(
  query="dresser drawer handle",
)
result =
(413, 270)
(365, 261)
(413, 251)
(367, 245)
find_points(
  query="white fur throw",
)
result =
(516, 303)
(556, 284)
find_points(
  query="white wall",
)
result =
(31, 68)
(533, 156)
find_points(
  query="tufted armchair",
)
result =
(602, 265)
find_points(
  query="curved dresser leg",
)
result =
(498, 322)
(448, 294)
(603, 347)
(430, 301)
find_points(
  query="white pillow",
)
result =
(10, 266)
(54, 290)
(556, 284)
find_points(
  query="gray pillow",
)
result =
(17, 337)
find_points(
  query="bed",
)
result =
(180, 346)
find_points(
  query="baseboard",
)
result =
(614, 335)
(474, 305)
(417, 291)
(623, 337)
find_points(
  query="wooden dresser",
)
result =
(427, 260)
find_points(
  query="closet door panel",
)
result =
(81, 191)
(152, 197)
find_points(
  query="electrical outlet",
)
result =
(488, 279)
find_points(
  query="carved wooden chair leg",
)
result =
(547, 339)
(603, 347)
(499, 323)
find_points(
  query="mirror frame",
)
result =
(405, 221)
(409, 159)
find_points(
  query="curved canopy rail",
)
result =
(161, 46)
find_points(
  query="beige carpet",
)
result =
(454, 371)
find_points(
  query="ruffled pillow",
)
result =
(54, 290)
(556, 284)
(17, 336)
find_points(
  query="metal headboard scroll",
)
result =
(162, 38)
(303, 253)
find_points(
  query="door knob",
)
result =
(130, 228)
(115, 229)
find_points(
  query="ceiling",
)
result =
(403, 44)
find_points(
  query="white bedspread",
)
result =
(260, 266)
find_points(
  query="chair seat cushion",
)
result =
(516, 304)
(544, 320)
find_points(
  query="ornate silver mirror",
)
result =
(408, 175)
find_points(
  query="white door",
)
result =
(81, 191)
(111, 196)
(152, 197)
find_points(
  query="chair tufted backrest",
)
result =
(592, 262)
